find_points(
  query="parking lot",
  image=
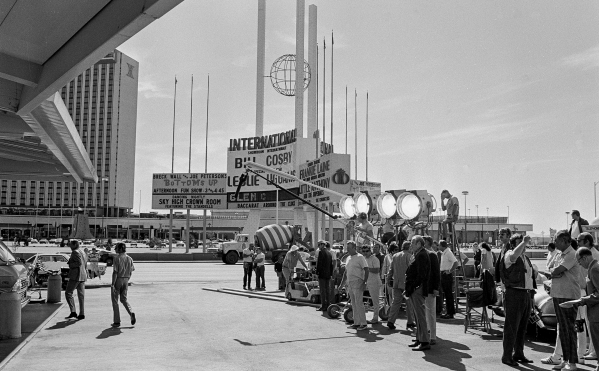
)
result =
(182, 326)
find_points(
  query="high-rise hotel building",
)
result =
(102, 102)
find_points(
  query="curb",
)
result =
(12, 354)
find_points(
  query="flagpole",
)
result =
(346, 119)
(317, 125)
(187, 221)
(206, 160)
(332, 43)
(367, 135)
(324, 85)
(356, 131)
(170, 224)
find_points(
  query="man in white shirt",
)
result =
(585, 239)
(374, 281)
(259, 262)
(448, 265)
(356, 274)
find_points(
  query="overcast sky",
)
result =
(497, 98)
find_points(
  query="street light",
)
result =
(476, 212)
(595, 189)
(508, 215)
(465, 193)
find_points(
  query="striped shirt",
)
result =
(123, 266)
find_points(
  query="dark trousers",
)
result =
(518, 305)
(418, 302)
(120, 291)
(247, 274)
(594, 330)
(260, 276)
(325, 292)
(447, 286)
(68, 294)
(567, 334)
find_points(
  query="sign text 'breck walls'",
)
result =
(189, 191)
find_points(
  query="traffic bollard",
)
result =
(10, 320)
(54, 288)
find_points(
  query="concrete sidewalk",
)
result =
(182, 327)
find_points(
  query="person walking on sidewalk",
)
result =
(122, 268)
(77, 277)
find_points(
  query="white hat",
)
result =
(294, 248)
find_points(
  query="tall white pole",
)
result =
(324, 88)
(299, 68)
(346, 119)
(170, 223)
(332, 44)
(313, 62)
(206, 161)
(356, 132)
(139, 224)
(187, 221)
(366, 135)
(261, 49)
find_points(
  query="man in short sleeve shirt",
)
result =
(356, 274)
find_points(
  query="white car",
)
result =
(53, 262)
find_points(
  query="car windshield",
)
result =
(6, 256)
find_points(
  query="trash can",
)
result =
(54, 288)
(10, 320)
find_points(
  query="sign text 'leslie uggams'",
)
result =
(189, 191)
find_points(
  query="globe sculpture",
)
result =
(282, 75)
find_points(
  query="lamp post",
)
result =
(567, 214)
(508, 215)
(476, 213)
(595, 192)
(465, 193)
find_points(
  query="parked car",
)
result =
(53, 262)
(44, 241)
(106, 256)
(14, 275)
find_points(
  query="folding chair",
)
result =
(479, 294)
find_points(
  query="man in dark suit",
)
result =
(324, 270)
(433, 289)
(417, 288)
(585, 259)
(77, 277)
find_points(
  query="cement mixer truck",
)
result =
(275, 239)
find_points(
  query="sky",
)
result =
(500, 99)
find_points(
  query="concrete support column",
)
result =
(10, 320)
(260, 67)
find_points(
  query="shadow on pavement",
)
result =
(63, 324)
(247, 343)
(369, 336)
(112, 331)
(449, 355)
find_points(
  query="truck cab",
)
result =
(14, 275)
(231, 251)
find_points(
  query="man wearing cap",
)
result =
(122, 268)
(576, 225)
(324, 270)
(356, 274)
(292, 258)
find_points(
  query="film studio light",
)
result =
(409, 205)
(352, 205)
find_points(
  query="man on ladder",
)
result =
(452, 206)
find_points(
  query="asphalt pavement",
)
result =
(183, 326)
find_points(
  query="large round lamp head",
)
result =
(346, 207)
(362, 203)
(409, 206)
(386, 205)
